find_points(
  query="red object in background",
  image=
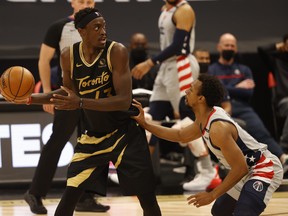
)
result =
(271, 80)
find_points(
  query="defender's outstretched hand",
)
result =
(139, 118)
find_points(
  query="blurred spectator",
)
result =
(238, 80)
(276, 57)
(139, 53)
(203, 58)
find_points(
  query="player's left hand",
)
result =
(140, 118)
(200, 199)
(68, 102)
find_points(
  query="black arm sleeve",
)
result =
(174, 49)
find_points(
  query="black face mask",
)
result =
(203, 67)
(228, 54)
(138, 55)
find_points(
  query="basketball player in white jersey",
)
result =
(254, 172)
(177, 70)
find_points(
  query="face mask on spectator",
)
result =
(228, 54)
(138, 55)
(203, 67)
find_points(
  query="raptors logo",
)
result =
(258, 186)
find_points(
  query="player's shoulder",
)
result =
(117, 46)
(220, 125)
(115, 43)
(185, 7)
(65, 52)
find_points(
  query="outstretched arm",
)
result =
(183, 135)
(39, 98)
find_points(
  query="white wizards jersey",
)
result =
(252, 149)
(167, 28)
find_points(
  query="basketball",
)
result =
(17, 83)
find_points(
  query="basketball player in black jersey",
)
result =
(97, 80)
(60, 34)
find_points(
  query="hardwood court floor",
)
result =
(171, 205)
(170, 195)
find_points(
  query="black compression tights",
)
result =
(149, 204)
(68, 201)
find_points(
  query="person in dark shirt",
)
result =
(238, 81)
(139, 49)
(275, 56)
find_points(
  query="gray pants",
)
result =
(166, 85)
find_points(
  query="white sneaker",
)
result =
(114, 177)
(201, 181)
(181, 169)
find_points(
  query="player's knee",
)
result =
(247, 210)
(218, 210)
(224, 200)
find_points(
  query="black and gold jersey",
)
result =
(94, 80)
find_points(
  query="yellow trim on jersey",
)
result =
(71, 62)
(83, 58)
(81, 177)
(119, 159)
(108, 55)
(92, 90)
(83, 156)
(85, 139)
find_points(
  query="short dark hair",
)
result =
(81, 14)
(212, 89)
(200, 50)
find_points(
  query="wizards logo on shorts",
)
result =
(258, 186)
